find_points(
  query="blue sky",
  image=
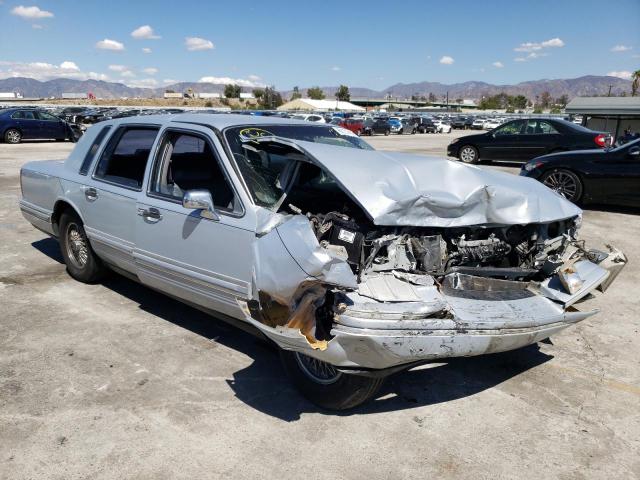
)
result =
(284, 43)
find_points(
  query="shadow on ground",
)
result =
(264, 387)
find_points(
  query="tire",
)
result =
(413, 132)
(12, 136)
(387, 132)
(82, 263)
(468, 154)
(326, 387)
(565, 183)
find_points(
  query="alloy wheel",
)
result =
(77, 250)
(563, 183)
(468, 154)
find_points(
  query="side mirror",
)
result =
(200, 200)
(634, 152)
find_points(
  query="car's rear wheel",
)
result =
(12, 136)
(468, 154)
(82, 263)
(387, 132)
(324, 385)
(564, 182)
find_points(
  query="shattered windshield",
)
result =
(262, 169)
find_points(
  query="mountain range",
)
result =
(590, 85)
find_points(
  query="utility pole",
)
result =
(447, 100)
(609, 94)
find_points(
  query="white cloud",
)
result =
(37, 26)
(145, 32)
(150, 70)
(69, 66)
(531, 56)
(498, 64)
(534, 46)
(146, 50)
(194, 44)
(30, 13)
(335, 68)
(118, 68)
(624, 74)
(168, 81)
(447, 60)
(234, 81)
(620, 48)
(127, 74)
(254, 78)
(108, 44)
(47, 71)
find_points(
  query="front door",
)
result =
(505, 142)
(52, 126)
(206, 261)
(28, 124)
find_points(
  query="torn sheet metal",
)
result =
(420, 191)
(590, 274)
(291, 274)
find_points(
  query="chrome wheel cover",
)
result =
(562, 183)
(77, 249)
(467, 154)
(320, 372)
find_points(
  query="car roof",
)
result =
(218, 121)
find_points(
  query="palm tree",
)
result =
(635, 84)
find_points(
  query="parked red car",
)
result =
(354, 124)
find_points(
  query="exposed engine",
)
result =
(513, 252)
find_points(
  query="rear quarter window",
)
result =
(93, 149)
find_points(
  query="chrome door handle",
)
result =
(150, 214)
(90, 193)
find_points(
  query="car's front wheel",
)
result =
(468, 154)
(564, 182)
(326, 386)
(82, 263)
(387, 132)
(12, 136)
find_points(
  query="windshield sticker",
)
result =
(344, 132)
(252, 132)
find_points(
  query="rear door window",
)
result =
(124, 159)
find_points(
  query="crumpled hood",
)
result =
(415, 190)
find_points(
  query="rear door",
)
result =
(206, 261)
(109, 199)
(28, 124)
(504, 142)
(538, 137)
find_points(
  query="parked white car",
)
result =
(442, 127)
(491, 124)
(309, 117)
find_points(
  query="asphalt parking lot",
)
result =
(116, 381)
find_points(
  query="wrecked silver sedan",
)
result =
(355, 263)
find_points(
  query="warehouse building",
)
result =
(608, 114)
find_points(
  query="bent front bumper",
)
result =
(396, 319)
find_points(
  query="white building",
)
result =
(307, 104)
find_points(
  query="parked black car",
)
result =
(458, 122)
(425, 125)
(522, 140)
(17, 124)
(591, 176)
(378, 125)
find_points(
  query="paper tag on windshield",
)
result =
(346, 236)
(344, 132)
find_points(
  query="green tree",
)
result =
(519, 101)
(271, 99)
(342, 94)
(315, 93)
(545, 99)
(296, 93)
(232, 91)
(258, 93)
(562, 100)
(432, 98)
(635, 82)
